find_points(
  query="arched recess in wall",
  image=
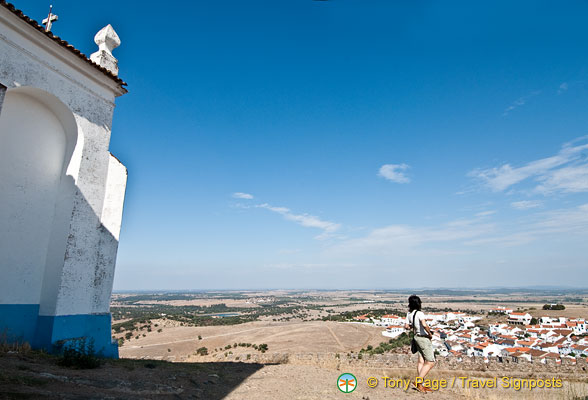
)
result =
(40, 150)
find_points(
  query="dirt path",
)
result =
(369, 339)
(336, 338)
(299, 337)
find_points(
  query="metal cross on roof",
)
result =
(49, 20)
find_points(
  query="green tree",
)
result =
(203, 351)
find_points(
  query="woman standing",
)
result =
(415, 320)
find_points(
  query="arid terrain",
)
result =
(173, 326)
(179, 343)
(269, 345)
(34, 376)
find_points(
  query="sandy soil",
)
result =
(293, 337)
(288, 381)
(38, 376)
(298, 382)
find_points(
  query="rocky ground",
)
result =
(39, 376)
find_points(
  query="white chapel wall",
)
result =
(111, 224)
(27, 62)
(32, 157)
(61, 191)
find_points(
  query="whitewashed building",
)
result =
(393, 331)
(452, 316)
(467, 319)
(393, 320)
(61, 191)
(516, 318)
(578, 326)
(435, 318)
(501, 310)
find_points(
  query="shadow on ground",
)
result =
(39, 376)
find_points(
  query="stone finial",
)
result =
(107, 40)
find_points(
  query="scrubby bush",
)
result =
(400, 341)
(79, 354)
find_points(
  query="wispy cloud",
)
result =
(521, 101)
(570, 220)
(306, 220)
(569, 85)
(572, 179)
(557, 222)
(502, 240)
(526, 204)
(486, 213)
(394, 172)
(462, 236)
(567, 171)
(241, 195)
(404, 239)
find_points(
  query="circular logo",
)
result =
(346, 383)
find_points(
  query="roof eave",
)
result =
(68, 52)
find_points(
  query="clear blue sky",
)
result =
(348, 143)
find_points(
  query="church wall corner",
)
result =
(75, 292)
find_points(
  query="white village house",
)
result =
(455, 334)
(61, 191)
(501, 310)
(393, 320)
(516, 318)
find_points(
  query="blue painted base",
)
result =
(55, 333)
(18, 322)
(22, 322)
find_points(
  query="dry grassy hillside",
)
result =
(33, 375)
